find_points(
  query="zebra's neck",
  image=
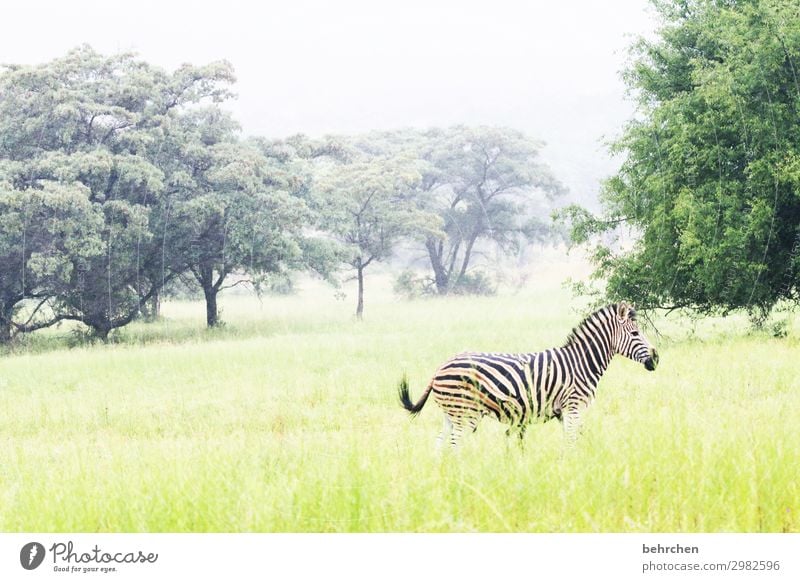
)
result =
(591, 350)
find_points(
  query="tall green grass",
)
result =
(287, 420)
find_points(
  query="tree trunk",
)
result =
(467, 255)
(101, 333)
(5, 332)
(439, 273)
(155, 306)
(360, 306)
(212, 314)
(441, 279)
(5, 323)
(6, 317)
(151, 308)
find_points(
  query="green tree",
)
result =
(367, 205)
(100, 123)
(708, 186)
(482, 183)
(294, 163)
(237, 220)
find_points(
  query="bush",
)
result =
(477, 283)
(276, 284)
(780, 329)
(411, 286)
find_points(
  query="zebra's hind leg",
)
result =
(460, 425)
(447, 429)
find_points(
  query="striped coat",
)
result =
(517, 389)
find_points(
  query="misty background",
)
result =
(311, 67)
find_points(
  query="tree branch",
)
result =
(239, 282)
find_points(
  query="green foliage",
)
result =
(481, 183)
(236, 214)
(410, 285)
(779, 329)
(276, 284)
(708, 188)
(367, 205)
(118, 178)
(475, 283)
(97, 127)
(47, 236)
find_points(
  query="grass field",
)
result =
(287, 420)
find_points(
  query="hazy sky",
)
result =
(548, 68)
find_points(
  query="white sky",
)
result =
(550, 68)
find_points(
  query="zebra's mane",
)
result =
(613, 308)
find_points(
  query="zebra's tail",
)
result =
(405, 398)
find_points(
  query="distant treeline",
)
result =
(119, 180)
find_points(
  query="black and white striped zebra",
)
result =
(519, 388)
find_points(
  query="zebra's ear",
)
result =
(623, 310)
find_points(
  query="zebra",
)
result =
(519, 388)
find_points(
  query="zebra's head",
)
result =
(629, 341)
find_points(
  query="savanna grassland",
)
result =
(287, 419)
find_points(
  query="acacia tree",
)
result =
(238, 217)
(367, 205)
(711, 169)
(240, 211)
(99, 122)
(481, 182)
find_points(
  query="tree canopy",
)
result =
(117, 177)
(233, 213)
(94, 125)
(367, 204)
(478, 185)
(708, 186)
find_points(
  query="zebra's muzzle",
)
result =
(652, 361)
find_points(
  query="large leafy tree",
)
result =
(367, 205)
(710, 177)
(237, 217)
(98, 124)
(483, 184)
(483, 181)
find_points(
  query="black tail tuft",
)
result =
(405, 398)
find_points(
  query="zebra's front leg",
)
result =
(519, 431)
(571, 423)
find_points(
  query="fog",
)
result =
(315, 67)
